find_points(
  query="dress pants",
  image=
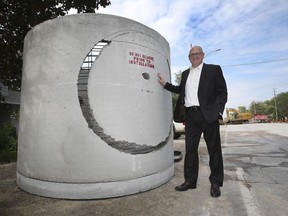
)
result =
(194, 127)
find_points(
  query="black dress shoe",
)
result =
(215, 190)
(185, 186)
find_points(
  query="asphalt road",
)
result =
(256, 170)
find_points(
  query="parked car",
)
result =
(179, 129)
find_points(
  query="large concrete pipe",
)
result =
(94, 121)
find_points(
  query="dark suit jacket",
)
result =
(212, 93)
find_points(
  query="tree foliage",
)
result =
(282, 104)
(242, 109)
(8, 138)
(177, 81)
(269, 107)
(17, 17)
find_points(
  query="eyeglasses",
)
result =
(195, 54)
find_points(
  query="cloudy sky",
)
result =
(252, 36)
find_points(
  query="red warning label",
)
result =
(136, 58)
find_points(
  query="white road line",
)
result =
(224, 142)
(250, 205)
(226, 134)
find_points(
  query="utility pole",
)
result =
(275, 98)
(254, 107)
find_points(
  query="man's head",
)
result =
(196, 56)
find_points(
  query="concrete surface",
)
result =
(256, 168)
(75, 140)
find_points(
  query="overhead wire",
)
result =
(260, 62)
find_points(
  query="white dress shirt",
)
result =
(191, 87)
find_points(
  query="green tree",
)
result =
(178, 77)
(17, 17)
(174, 95)
(242, 109)
(8, 138)
(2, 99)
(268, 107)
(258, 107)
(282, 105)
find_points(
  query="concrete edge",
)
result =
(93, 190)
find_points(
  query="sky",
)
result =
(252, 36)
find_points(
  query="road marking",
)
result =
(249, 203)
(226, 134)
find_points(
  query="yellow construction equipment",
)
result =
(235, 117)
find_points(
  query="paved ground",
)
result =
(249, 189)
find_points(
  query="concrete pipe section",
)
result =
(94, 121)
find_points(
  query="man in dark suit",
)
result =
(203, 95)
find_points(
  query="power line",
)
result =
(260, 62)
(281, 87)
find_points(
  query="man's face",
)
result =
(196, 56)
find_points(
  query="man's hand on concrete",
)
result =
(161, 79)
